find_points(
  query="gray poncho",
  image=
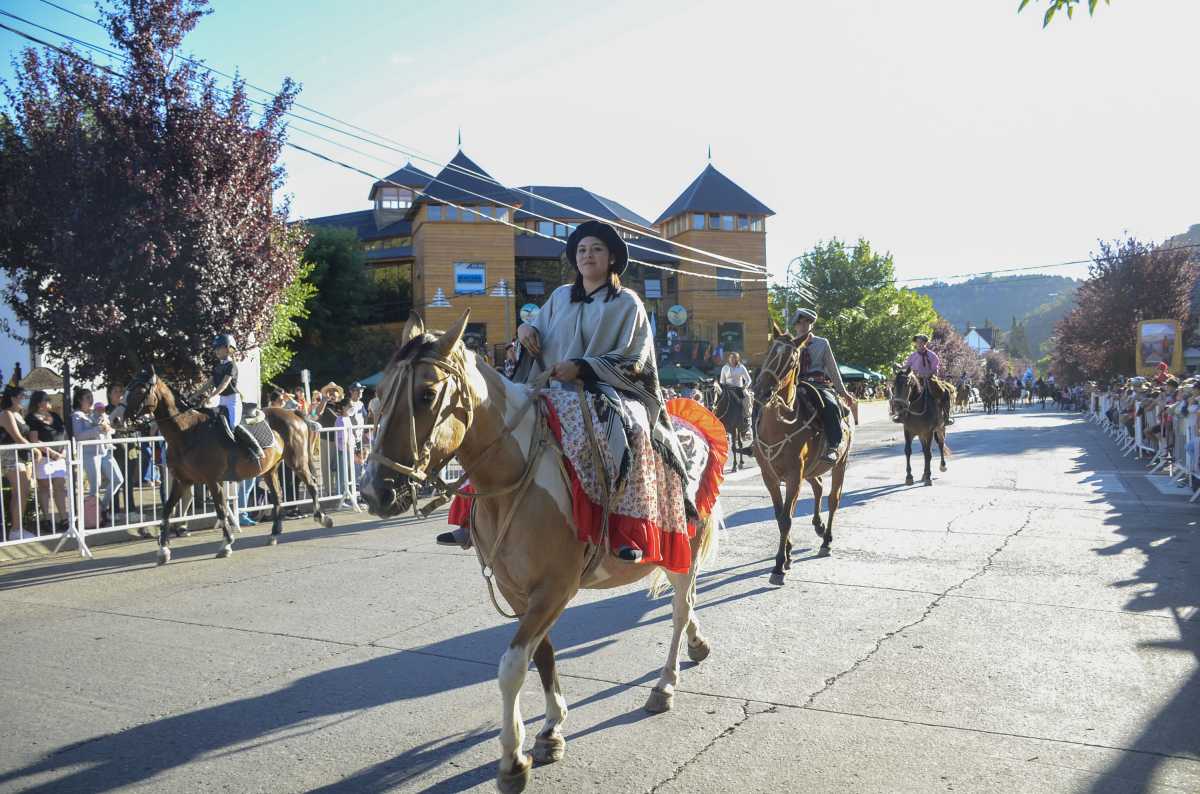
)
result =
(614, 340)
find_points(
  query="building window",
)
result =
(653, 288)
(451, 213)
(714, 221)
(727, 223)
(470, 278)
(394, 198)
(726, 288)
(698, 221)
(731, 337)
(756, 225)
(435, 212)
(535, 287)
(469, 214)
(743, 223)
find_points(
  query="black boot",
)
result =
(248, 443)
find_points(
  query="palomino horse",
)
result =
(731, 410)
(199, 453)
(962, 397)
(440, 402)
(922, 418)
(788, 446)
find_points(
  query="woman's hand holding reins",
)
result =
(529, 338)
(565, 371)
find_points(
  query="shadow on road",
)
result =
(140, 753)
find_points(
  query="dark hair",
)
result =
(77, 399)
(273, 395)
(36, 400)
(579, 294)
(10, 397)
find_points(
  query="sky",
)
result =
(959, 136)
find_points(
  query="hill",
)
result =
(1038, 301)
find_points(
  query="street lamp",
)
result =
(501, 290)
(787, 287)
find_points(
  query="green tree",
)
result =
(869, 321)
(1062, 5)
(277, 352)
(1018, 342)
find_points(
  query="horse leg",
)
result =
(941, 442)
(223, 518)
(549, 745)
(536, 621)
(817, 489)
(835, 499)
(276, 502)
(310, 481)
(783, 557)
(908, 438)
(927, 450)
(698, 647)
(164, 543)
(778, 503)
(662, 697)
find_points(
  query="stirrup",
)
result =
(459, 536)
(629, 554)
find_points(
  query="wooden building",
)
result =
(449, 236)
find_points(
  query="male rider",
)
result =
(925, 364)
(818, 367)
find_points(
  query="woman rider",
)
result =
(224, 384)
(596, 332)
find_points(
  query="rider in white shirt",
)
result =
(735, 373)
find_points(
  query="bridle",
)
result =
(420, 454)
(904, 405)
(780, 366)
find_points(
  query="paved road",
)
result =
(1028, 624)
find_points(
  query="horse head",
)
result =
(142, 395)
(779, 368)
(426, 409)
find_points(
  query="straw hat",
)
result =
(333, 392)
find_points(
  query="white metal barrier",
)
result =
(70, 490)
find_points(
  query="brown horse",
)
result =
(923, 418)
(789, 444)
(199, 453)
(441, 401)
(962, 397)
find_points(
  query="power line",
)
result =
(412, 152)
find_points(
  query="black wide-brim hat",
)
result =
(605, 233)
(920, 338)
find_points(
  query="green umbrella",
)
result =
(672, 376)
(852, 373)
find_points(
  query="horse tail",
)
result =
(706, 552)
(945, 444)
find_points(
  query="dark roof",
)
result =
(712, 191)
(987, 334)
(409, 176)
(396, 252)
(530, 246)
(582, 199)
(662, 253)
(362, 223)
(452, 185)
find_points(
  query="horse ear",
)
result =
(776, 331)
(412, 329)
(452, 336)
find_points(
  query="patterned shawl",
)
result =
(614, 339)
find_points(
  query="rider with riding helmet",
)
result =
(819, 369)
(925, 364)
(224, 384)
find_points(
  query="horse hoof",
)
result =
(659, 701)
(224, 552)
(272, 541)
(699, 652)
(548, 749)
(514, 782)
(823, 551)
(908, 480)
(943, 467)
(327, 522)
(164, 556)
(926, 482)
(776, 579)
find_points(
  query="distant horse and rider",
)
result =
(803, 430)
(734, 408)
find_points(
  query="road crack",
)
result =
(747, 713)
(987, 565)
